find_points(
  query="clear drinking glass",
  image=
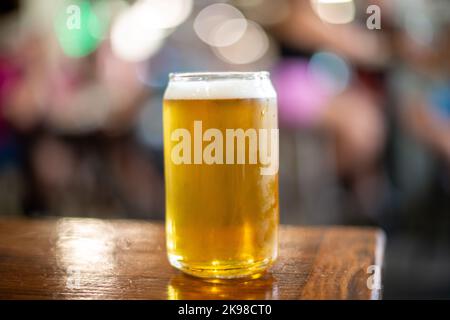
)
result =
(221, 171)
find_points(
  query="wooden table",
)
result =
(117, 259)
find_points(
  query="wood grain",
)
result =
(116, 259)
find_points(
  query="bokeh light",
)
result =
(253, 44)
(140, 31)
(133, 36)
(220, 25)
(301, 96)
(106, 10)
(334, 11)
(332, 71)
(77, 39)
(165, 14)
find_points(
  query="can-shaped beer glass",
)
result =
(221, 173)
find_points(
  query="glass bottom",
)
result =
(228, 270)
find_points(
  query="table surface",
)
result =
(126, 259)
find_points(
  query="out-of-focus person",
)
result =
(329, 84)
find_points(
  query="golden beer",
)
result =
(221, 199)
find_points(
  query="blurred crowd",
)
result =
(364, 112)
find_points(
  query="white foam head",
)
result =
(219, 85)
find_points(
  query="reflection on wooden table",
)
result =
(118, 259)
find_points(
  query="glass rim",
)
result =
(220, 75)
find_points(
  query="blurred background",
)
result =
(364, 111)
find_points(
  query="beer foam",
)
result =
(220, 89)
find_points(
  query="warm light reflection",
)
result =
(88, 245)
(84, 248)
(183, 287)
